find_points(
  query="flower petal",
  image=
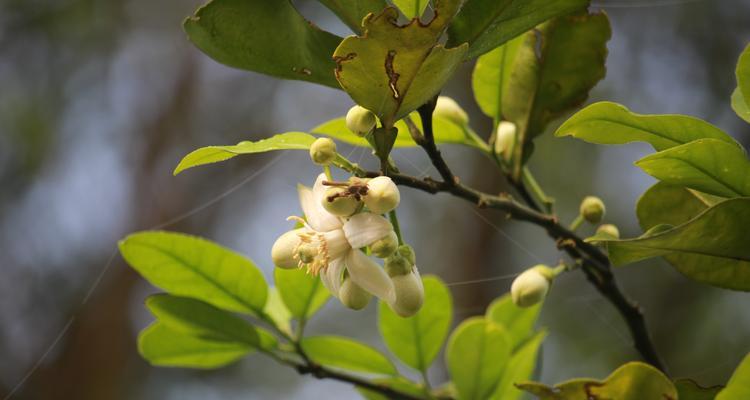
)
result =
(366, 228)
(331, 278)
(336, 244)
(310, 200)
(369, 275)
(282, 252)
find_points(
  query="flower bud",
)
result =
(283, 250)
(360, 120)
(382, 195)
(531, 286)
(608, 230)
(409, 292)
(505, 139)
(323, 151)
(386, 246)
(337, 203)
(401, 262)
(353, 296)
(592, 209)
(448, 108)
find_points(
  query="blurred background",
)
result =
(99, 100)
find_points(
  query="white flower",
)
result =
(505, 139)
(382, 195)
(448, 108)
(531, 286)
(328, 245)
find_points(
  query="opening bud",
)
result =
(353, 296)
(592, 209)
(382, 195)
(448, 108)
(323, 151)
(608, 230)
(337, 201)
(386, 246)
(531, 286)
(409, 292)
(360, 120)
(505, 139)
(285, 248)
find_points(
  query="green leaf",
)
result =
(739, 384)
(689, 390)
(492, 74)
(398, 383)
(519, 322)
(417, 340)
(166, 347)
(348, 354)
(612, 123)
(277, 311)
(674, 205)
(391, 70)
(212, 154)
(411, 8)
(477, 355)
(269, 37)
(743, 77)
(632, 381)
(302, 293)
(190, 266)
(520, 368)
(487, 24)
(352, 12)
(708, 165)
(740, 105)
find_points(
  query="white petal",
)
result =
(282, 252)
(332, 277)
(317, 216)
(365, 229)
(336, 244)
(369, 275)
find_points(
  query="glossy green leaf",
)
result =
(269, 37)
(743, 74)
(632, 381)
(612, 123)
(417, 340)
(738, 386)
(398, 383)
(519, 322)
(492, 75)
(302, 293)
(411, 8)
(166, 347)
(477, 354)
(741, 105)
(487, 24)
(190, 266)
(391, 70)
(212, 154)
(708, 165)
(674, 205)
(689, 390)
(345, 353)
(353, 12)
(277, 311)
(520, 368)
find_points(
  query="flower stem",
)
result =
(576, 223)
(327, 170)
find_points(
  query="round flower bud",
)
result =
(382, 195)
(608, 230)
(409, 292)
(386, 246)
(531, 286)
(360, 120)
(336, 204)
(353, 296)
(323, 151)
(505, 139)
(448, 108)
(592, 209)
(283, 250)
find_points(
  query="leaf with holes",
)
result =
(391, 69)
(302, 293)
(411, 8)
(345, 353)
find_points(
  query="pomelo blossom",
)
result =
(329, 246)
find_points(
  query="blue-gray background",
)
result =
(100, 99)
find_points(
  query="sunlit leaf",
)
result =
(345, 353)
(391, 70)
(417, 340)
(277, 311)
(492, 74)
(411, 8)
(166, 347)
(738, 386)
(519, 322)
(689, 390)
(212, 154)
(399, 383)
(477, 354)
(612, 123)
(520, 368)
(741, 96)
(708, 165)
(190, 266)
(352, 12)
(302, 293)
(486, 24)
(741, 105)
(269, 37)
(632, 381)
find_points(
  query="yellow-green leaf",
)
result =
(689, 390)
(352, 12)
(519, 322)
(302, 293)
(520, 368)
(738, 386)
(348, 354)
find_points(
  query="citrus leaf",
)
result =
(740, 105)
(492, 74)
(520, 368)
(302, 293)
(345, 353)
(519, 322)
(738, 386)
(689, 390)
(352, 12)
(277, 311)
(401, 384)
(411, 8)
(193, 267)
(269, 37)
